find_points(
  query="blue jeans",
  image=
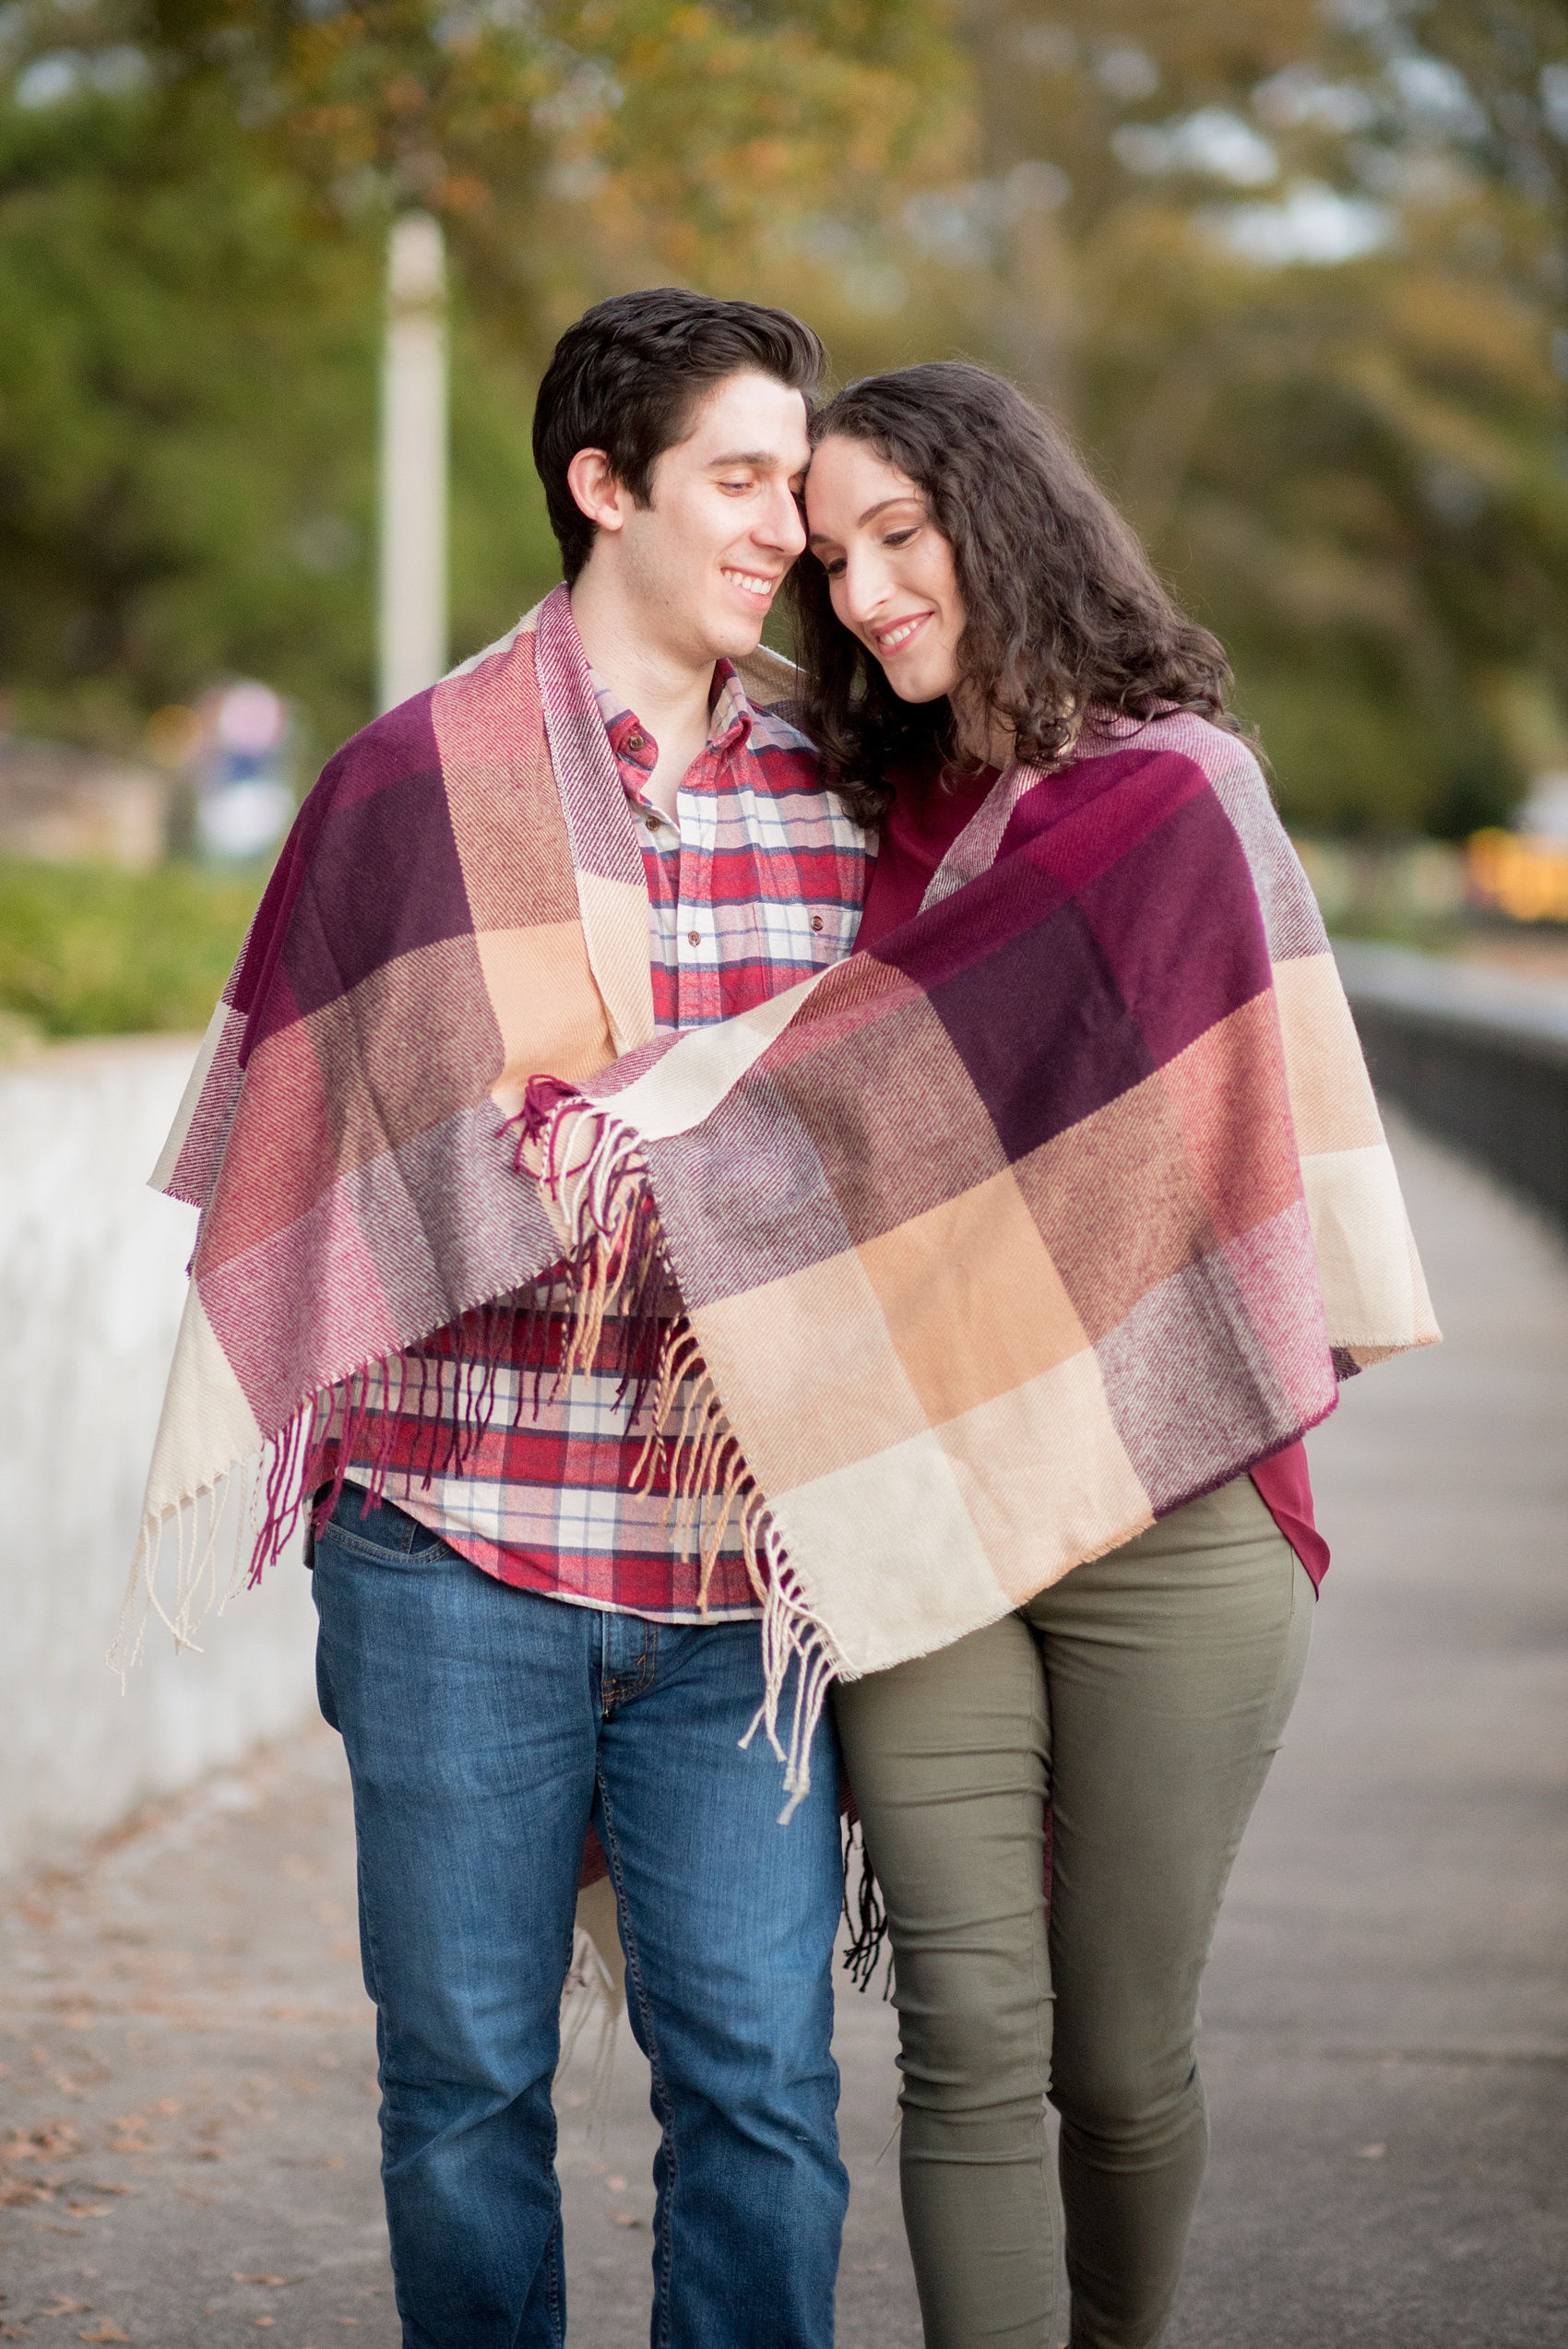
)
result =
(485, 1728)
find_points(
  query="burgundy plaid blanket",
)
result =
(1063, 1205)
(461, 904)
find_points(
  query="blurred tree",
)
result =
(178, 492)
(1301, 290)
(194, 198)
(1296, 278)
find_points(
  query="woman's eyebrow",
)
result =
(905, 497)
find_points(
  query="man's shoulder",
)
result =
(401, 746)
(499, 650)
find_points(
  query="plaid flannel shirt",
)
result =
(758, 881)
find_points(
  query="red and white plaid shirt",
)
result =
(758, 883)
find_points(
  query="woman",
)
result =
(971, 599)
(1018, 1250)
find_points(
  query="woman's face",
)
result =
(890, 570)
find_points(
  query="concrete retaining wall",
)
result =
(91, 1282)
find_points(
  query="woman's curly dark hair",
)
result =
(1063, 611)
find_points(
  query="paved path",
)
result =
(1386, 2042)
(186, 2061)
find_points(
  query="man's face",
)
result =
(703, 562)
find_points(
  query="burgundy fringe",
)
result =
(633, 1263)
(309, 1463)
(452, 1381)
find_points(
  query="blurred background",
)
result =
(1296, 277)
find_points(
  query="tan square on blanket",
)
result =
(973, 1303)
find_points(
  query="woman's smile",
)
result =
(896, 633)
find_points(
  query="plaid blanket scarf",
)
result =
(460, 905)
(1064, 1204)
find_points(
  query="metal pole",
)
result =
(413, 462)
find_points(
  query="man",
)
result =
(514, 1641)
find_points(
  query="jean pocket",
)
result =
(380, 1529)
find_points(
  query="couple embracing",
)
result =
(782, 1225)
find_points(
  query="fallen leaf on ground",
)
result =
(105, 2331)
(269, 2279)
(50, 2138)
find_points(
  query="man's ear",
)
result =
(598, 492)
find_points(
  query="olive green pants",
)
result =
(1145, 1695)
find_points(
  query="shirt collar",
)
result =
(730, 715)
(731, 719)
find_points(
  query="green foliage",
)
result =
(185, 474)
(1355, 470)
(86, 951)
(193, 203)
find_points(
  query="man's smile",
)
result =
(750, 583)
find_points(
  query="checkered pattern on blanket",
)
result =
(462, 904)
(758, 883)
(1062, 1205)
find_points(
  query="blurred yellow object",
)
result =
(174, 734)
(1522, 875)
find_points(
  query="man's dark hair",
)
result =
(629, 376)
(1064, 612)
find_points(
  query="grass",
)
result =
(86, 950)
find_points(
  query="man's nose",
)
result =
(781, 527)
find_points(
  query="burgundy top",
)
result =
(921, 826)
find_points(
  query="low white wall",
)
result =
(91, 1282)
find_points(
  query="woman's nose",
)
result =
(863, 584)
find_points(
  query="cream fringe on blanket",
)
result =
(591, 1173)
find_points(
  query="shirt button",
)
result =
(816, 922)
(636, 742)
(693, 937)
